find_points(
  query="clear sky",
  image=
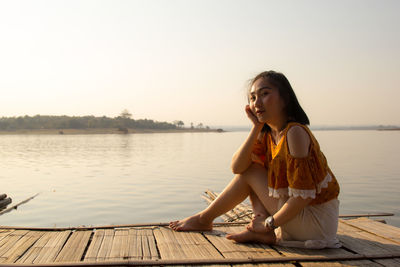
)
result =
(190, 60)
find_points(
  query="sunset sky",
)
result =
(191, 60)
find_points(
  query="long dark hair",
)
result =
(294, 111)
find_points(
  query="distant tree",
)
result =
(179, 124)
(124, 121)
(200, 125)
(191, 125)
(126, 114)
(66, 122)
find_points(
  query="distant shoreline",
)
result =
(104, 131)
(389, 129)
(142, 131)
(372, 128)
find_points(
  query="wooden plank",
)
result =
(183, 245)
(341, 263)
(153, 253)
(50, 251)
(167, 244)
(106, 245)
(366, 243)
(344, 228)
(389, 262)
(202, 246)
(185, 241)
(141, 244)
(8, 241)
(264, 265)
(147, 254)
(119, 249)
(5, 232)
(190, 244)
(231, 249)
(177, 243)
(145, 248)
(359, 245)
(134, 244)
(94, 247)
(381, 229)
(226, 247)
(20, 247)
(327, 252)
(34, 251)
(75, 246)
(186, 245)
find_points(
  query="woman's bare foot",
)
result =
(192, 223)
(249, 236)
(257, 224)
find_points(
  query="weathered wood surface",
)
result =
(365, 243)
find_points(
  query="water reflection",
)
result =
(104, 179)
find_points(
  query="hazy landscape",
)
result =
(124, 123)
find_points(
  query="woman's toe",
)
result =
(173, 224)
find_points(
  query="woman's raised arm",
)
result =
(241, 160)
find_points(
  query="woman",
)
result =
(281, 168)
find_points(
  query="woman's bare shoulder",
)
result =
(298, 141)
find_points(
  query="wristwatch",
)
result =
(269, 222)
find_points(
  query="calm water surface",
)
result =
(122, 179)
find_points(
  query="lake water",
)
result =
(139, 178)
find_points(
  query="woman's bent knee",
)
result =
(255, 171)
(255, 175)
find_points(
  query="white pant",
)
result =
(314, 227)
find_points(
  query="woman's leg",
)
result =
(236, 191)
(263, 206)
(259, 214)
(258, 207)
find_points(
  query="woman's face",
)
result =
(266, 102)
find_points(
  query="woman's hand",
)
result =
(290, 209)
(253, 118)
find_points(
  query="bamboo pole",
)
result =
(366, 215)
(18, 204)
(161, 262)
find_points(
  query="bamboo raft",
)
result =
(365, 243)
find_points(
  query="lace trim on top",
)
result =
(277, 193)
(324, 183)
(304, 193)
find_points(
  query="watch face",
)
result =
(270, 221)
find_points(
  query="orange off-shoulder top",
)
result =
(308, 177)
